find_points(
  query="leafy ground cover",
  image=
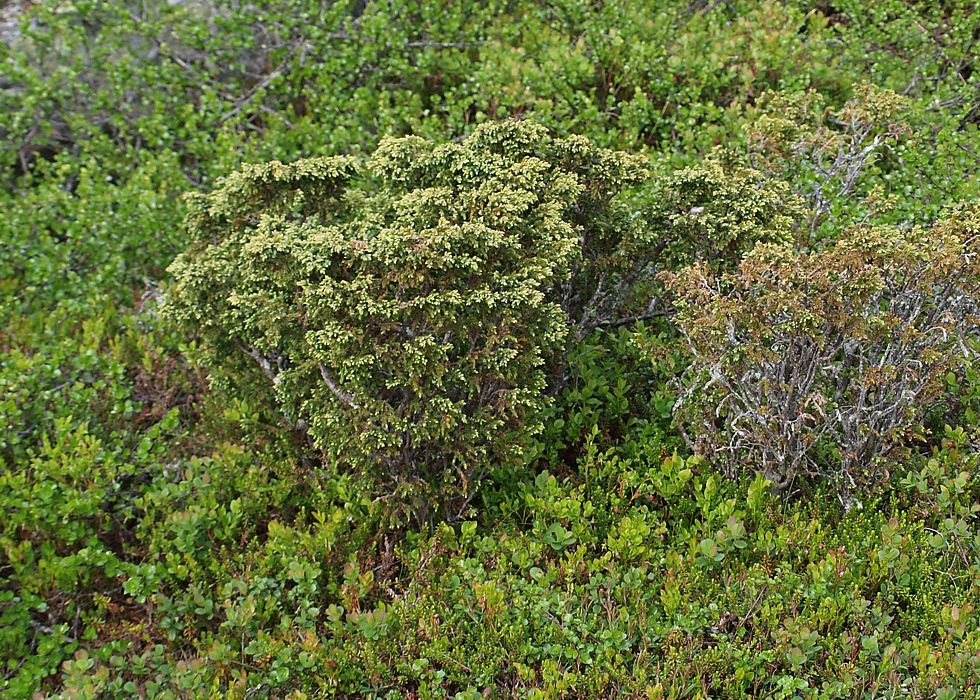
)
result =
(168, 531)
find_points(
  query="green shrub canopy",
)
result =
(405, 306)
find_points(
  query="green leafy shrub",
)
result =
(65, 537)
(828, 153)
(879, 157)
(717, 211)
(405, 307)
(822, 364)
(944, 490)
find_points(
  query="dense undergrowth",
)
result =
(168, 530)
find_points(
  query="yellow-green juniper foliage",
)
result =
(404, 306)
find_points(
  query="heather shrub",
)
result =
(404, 308)
(823, 364)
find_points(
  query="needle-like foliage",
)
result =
(404, 308)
